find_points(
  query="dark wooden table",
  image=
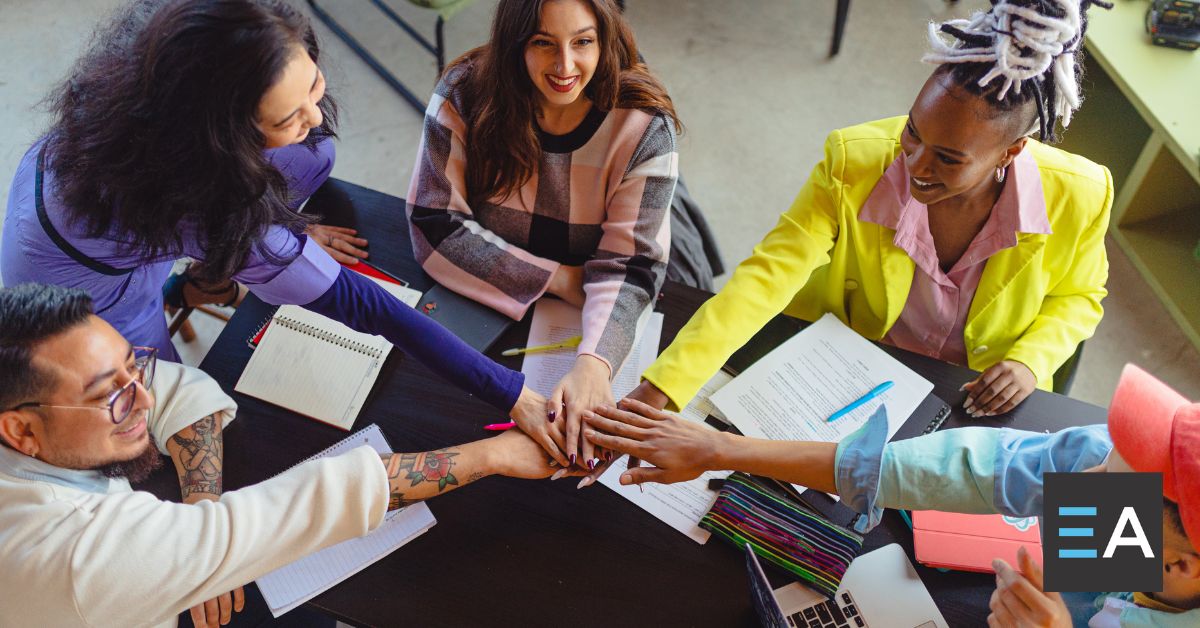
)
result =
(520, 553)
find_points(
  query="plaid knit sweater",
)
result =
(600, 198)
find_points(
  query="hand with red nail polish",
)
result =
(530, 415)
(586, 386)
(679, 449)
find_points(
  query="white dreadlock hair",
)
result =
(1029, 45)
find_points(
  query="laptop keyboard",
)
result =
(840, 612)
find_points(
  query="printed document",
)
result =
(790, 393)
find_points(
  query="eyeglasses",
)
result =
(120, 403)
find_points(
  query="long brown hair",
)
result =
(497, 94)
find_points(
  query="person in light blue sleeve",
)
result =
(1151, 428)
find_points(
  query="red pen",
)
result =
(500, 427)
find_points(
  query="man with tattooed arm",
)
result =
(83, 413)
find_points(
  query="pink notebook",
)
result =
(970, 542)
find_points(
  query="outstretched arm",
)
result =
(415, 477)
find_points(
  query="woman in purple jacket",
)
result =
(195, 129)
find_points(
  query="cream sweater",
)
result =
(78, 549)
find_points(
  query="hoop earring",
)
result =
(1000, 172)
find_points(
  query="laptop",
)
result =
(880, 590)
(950, 540)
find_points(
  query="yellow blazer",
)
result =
(1035, 302)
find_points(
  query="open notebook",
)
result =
(299, 581)
(316, 366)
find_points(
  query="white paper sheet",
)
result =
(789, 393)
(701, 405)
(407, 296)
(555, 321)
(683, 504)
(299, 581)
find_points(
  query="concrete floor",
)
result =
(751, 83)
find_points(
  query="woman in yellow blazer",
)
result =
(1035, 300)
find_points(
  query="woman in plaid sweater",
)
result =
(547, 166)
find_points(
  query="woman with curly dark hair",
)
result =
(194, 128)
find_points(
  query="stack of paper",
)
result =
(297, 582)
(790, 393)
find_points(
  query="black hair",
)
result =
(156, 127)
(1172, 516)
(30, 314)
(973, 60)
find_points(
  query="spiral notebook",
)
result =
(301, 580)
(315, 366)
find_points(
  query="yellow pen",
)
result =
(569, 342)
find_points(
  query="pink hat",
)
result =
(1156, 429)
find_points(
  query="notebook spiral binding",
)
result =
(327, 337)
(938, 419)
(252, 341)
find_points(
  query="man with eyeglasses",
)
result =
(83, 413)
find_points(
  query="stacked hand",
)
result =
(518, 456)
(584, 388)
(679, 449)
(530, 415)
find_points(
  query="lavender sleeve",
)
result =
(364, 306)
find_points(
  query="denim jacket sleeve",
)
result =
(970, 470)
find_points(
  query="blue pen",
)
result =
(875, 392)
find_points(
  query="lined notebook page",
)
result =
(314, 365)
(297, 582)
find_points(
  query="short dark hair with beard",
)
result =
(31, 314)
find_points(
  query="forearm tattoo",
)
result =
(200, 457)
(413, 470)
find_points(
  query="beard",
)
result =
(135, 469)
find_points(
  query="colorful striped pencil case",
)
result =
(816, 550)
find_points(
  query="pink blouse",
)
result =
(935, 314)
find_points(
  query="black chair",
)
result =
(839, 25)
(1064, 377)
